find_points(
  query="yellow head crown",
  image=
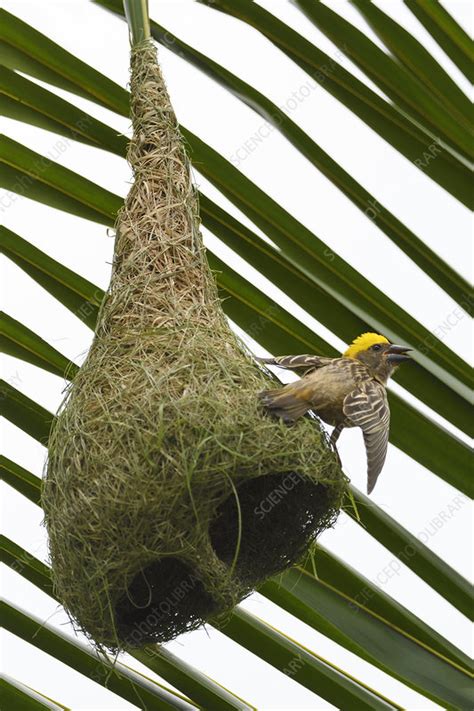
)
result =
(363, 342)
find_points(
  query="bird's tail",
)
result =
(284, 403)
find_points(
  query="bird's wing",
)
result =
(298, 362)
(367, 407)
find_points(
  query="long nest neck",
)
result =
(159, 263)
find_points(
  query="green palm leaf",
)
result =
(20, 342)
(118, 678)
(385, 119)
(417, 60)
(330, 570)
(448, 34)
(26, 101)
(343, 620)
(413, 552)
(305, 667)
(76, 293)
(20, 697)
(406, 92)
(29, 51)
(196, 685)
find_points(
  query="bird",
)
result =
(349, 391)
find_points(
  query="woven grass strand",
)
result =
(161, 428)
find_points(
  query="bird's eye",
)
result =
(377, 347)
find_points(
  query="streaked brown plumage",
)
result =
(344, 392)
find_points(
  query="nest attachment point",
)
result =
(169, 494)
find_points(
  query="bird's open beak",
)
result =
(397, 354)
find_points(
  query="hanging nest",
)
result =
(169, 494)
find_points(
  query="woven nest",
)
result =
(169, 494)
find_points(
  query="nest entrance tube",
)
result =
(161, 599)
(169, 494)
(269, 525)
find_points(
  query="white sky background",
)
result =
(405, 490)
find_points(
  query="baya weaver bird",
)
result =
(349, 391)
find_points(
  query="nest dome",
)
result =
(169, 494)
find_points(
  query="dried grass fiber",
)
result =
(169, 494)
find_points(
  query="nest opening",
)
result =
(279, 515)
(162, 599)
